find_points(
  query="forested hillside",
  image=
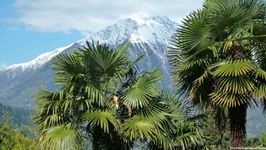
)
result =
(19, 116)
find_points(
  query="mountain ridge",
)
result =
(134, 37)
(38, 61)
(144, 33)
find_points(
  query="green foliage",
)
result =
(20, 116)
(105, 101)
(215, 125)
(14, 138)
(61, 137)
(218, 58)
(259, 141)
(209, 47)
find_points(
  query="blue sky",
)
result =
(29, 28)
(20, 44)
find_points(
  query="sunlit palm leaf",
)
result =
(157, 114)
(102, 118)
(234, 68)
(261, 74)
(143, 89)
(101, 60)
(61, 137)
(226, 99)
(139, 128)
(236, 85)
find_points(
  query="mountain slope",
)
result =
(19, 116)
(20, 81)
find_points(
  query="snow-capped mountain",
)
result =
(145, 33)
(138, 30)
(18, 82)
(150, 30)
(37, 62)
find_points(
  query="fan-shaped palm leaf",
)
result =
(139, 128)
(61, 137)
(234, 68)
(143, 90)
(70, 71)
(102, 118)
(100, 59)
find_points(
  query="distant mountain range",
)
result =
(18, 82)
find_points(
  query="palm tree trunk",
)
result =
(238, 125)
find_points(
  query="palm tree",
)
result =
(218, 58)
(103, 98)
(181, 129)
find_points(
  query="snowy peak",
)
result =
(40, 60)
(151, 20)
(153, 29)
(137, 29)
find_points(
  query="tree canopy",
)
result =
(218, 58)
(106, 101)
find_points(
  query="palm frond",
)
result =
(101, 60)
(102, 118)
(49, 114)
(96, 95)
(225, 99)
(61, 137)
(187, 134)
(234, 68)
(226, 16)
(200, 80)
(236, 85)
(139, 128)
(69, 69)
(192, 35)
(143, 89)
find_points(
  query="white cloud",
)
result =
(3, 66)
(93, 15)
